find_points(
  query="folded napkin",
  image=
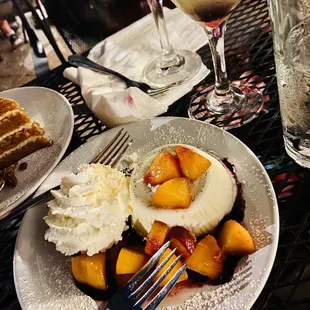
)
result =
(128, 51)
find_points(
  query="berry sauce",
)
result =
(134, 241)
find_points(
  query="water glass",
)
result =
(291, 35)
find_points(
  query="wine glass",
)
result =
(224, 102)
(170, 67)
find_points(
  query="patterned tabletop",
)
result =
(249, 54)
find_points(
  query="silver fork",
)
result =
(2, 183)
(110, 155)
(133, 296)
(82, 61)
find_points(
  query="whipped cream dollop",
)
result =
(89, 212)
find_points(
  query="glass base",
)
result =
(298, 151)
(184, 69)
(245, 103)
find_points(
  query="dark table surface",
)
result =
(248, 49)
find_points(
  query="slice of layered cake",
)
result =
(19, 134)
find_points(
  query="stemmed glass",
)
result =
(170, 67)
(224, 101)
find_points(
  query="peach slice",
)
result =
(130, 261)
(182, 239)
(192, 164)
(207, 258)
(179, 264)
(156, 237)
(90, 270)
(165, 167)
(173, 194)
(235, 239)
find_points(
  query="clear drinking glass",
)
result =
(291, 37)
(170, 67)
(224, 100)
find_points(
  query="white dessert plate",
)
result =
(43, 276)
(54, 113)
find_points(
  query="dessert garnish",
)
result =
(181, 185)
(178, 193)
(173, 194)
(165, 167)
(90, 270)
(156, 237)
(89, 212)
(235, 239)
(208, 259)
(23, 166)
(192, 164)
(130, 261)
(8, 174)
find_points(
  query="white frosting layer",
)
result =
(10, 112)
(20, 128)
(89, 211)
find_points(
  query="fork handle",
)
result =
(22, 208)
(82, 61)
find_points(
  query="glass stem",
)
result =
(169, 58)
(216, 42)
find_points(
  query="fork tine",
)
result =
(156, 284)
(121, 153)
(108, 156)
(165, 290)
(107, 147)
(137, 277)
(158, 91)
(152, 275)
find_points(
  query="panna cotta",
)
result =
(213, 195)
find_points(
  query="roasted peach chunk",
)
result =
(182, 239)
(165, 167)
(179, 264)
(130, 261)
(173, 194)
(192, 164)
(235, 239)
(207, 258)
(156, 237)
(90, 270)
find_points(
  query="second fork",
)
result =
(110, 155)
(82, 61)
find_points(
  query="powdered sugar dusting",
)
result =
(214, 298)
(258, 229)
(61, 291)
(39, 265)
(42, 275)
(240, 292)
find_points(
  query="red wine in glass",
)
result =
(224, 101)
(210, 12)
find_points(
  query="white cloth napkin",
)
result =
(128, 51)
